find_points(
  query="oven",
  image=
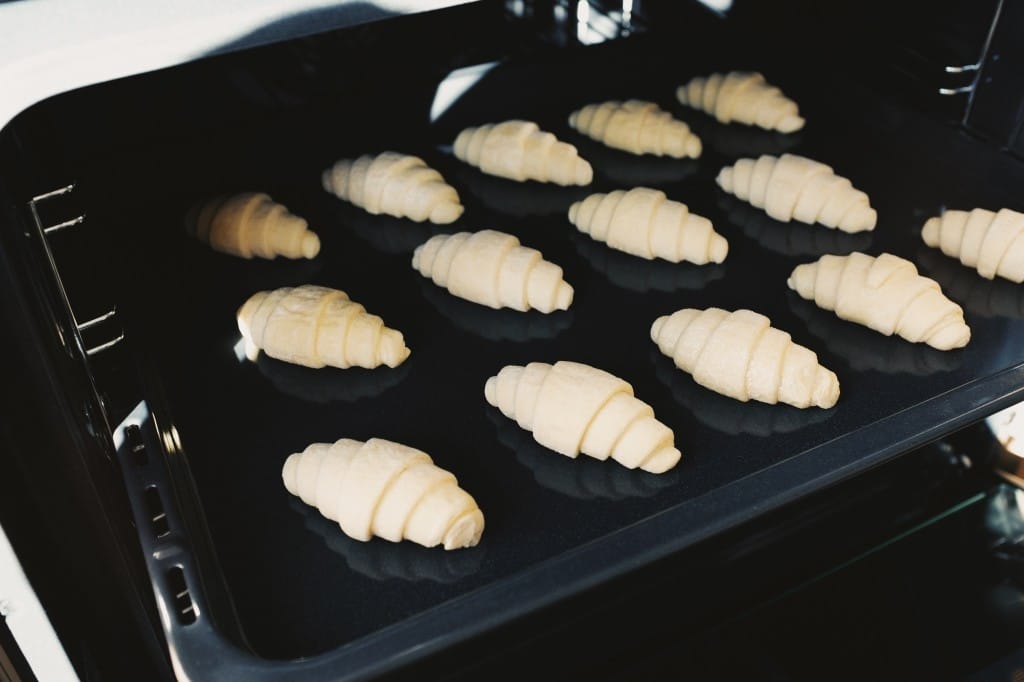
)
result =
(146, 530)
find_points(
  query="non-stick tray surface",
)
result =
(554, 525)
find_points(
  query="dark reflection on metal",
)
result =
(988, 298)
(728, 415)
(641, 275)
(631, 170)
(517, 199)
(737, 140)
(381, 559)
(385, 233)
(495, 325)
(329, 384)
(793, 238)
(865, 349)
(583, 478)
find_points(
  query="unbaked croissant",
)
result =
(400, 185)
(637, 127)
(252, 224)
(884, 293)
(572, 408)
(990, 242)
(791, 187)
(520, 150)
(739, 354)
(384, 489)
(492, 268)
(317, 326)
(744, 97)
(646, 223)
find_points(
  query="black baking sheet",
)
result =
(554, 525)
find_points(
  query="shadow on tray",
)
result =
(495, 325)
(582, 478)
(790, 239)
(632, 170)
(329, 384)
(865, 349)
(381, 559)
(987, 298)
(517, 199)
(727, 415)
(640, 275)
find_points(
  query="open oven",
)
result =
(140, 473)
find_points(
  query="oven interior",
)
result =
(184, 438)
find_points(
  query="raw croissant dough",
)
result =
(252, 224)
(493, 269)
(637, 127)
(991, 243)
(644, 222)
(384, 489)
(399, 185)
(739, 354)
(573, 408)
(317, 326)
(742, 96)
(791, 187)
(884, 293)
(520, 150)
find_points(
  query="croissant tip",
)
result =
(662, 461)
(930, 231)
(465, 532)
(491, 391)
(791, 124)
(288, 473)
(656, 327)
(310, 245)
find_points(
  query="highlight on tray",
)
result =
(792, 187)
(884, 293)
(395, 184)
(519, 150)
(990, 242)
(380, 488)
(251, 225)
(644, 222)
(574, 408)
(493, 269)
(581, 479)
(317, 326)
(742, 97)
(737, 353)
(638, 127)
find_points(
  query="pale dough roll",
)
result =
(251, 224)
(792, 187)
(742, 96)
(571, 408)
(884, 293)
(990, 242)
(521, 151)
(384, 489)
(400, 185)
(317, 326)
(739, 354)
(646, 223)
(492, 268)
(637, 127)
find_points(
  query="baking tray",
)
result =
(302, 598)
